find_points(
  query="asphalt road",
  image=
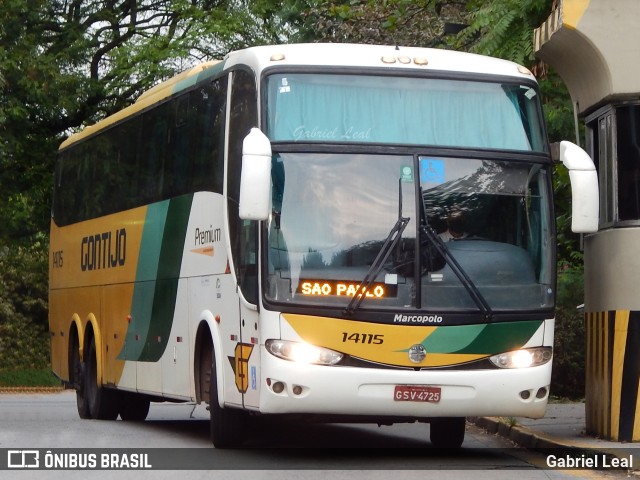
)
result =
(49, 423)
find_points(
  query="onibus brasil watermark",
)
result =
(76, 460)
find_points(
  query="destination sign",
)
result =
(341, 288)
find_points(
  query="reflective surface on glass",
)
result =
(333, 212)
(331, 108)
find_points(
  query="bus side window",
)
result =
(176, 168)
(120, 173)
(64, 195)
(152, 153)
(243, 234)
(207, 137)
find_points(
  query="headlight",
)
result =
(527, 357)
(302, 352)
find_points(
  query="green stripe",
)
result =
(168, 274)
(155, 290)
(486, 339)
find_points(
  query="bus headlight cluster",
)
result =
(302, 352)
(526, 357)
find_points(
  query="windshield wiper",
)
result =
(387, 247)
(457, 269)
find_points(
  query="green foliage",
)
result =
(30, 377)
(389, 22)
(67, 64)
(560, 126)
(504, 28)
(24, 335)
(568, 376)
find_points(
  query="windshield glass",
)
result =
(415, 111)
(333, 212)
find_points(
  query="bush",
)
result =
(24, 336)
(568, 377)
(29, 378)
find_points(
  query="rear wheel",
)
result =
(227, 424)
(447, 432)
(102, 402)
(134, 407)
(77, 378)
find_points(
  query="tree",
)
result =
(68, 63)
(504, 28)
(390, 22)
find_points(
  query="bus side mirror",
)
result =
(585, 198)
(255, 180)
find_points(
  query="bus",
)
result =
(265, 234)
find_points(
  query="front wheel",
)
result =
(227, 424)
(447, 432)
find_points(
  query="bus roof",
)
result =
(372, 56)
(339, 55)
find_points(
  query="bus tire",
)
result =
(134, 407)
(447, 432)
(102, 402)
(226, 424)
(77, 378)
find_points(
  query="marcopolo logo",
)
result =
(399, 318)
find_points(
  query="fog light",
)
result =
(278, 387)
(542, 392)
(297, 389)
(525, 394)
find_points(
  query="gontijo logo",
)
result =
(103, 250)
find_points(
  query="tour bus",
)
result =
(327, 232)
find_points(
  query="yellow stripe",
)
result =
(379, 343)
(102, 297)
(636, 420)
(619, 345)
(69, 240)
(606, 384)
(598, 374)
(591, 374)
(573, 11)
(587, 386)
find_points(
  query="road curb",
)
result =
(532, 440)
(520, 435)
(17, 390)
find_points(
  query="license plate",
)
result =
(417, 393)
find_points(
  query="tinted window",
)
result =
(173, 149)
(244, 116)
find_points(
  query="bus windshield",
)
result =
(403, 110)
(332, 213)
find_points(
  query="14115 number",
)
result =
(366, 338)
